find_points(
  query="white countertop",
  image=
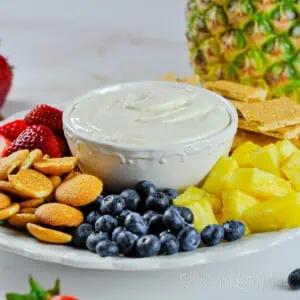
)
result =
(61, 49)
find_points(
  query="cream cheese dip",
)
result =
(148, 115)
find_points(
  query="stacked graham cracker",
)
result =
(261, 121)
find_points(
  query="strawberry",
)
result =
(6, 76)
(4, 144)
(12, 129)
(46, 115)
(64, 298)
(36, 137)
(63, 147)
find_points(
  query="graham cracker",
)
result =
(269, 115)
(190, 79)
(296, 143)
(237, 91)
(288, 132)
(242, 136)
(168, 77)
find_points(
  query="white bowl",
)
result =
(177, 166)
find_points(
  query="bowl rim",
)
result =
(231, 110)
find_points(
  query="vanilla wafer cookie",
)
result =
(4, 200)
(48, 235)
(30, 183)
(80, 190)
(57, 214)
(20, 220)
(56, 166)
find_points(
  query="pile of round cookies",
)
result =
(43, 194)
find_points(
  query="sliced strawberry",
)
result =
(63, 147)
(11, 130)
(36, 137)
(46, 115)
(4, 144)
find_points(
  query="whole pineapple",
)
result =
(255, 42)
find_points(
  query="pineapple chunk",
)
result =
(235, 203)
(260, 184)
(291, 169)
(194, 194)
(274, 214)
(247, 230)
(203, 214)
(285, 148)
(243, 154)
(220, 218)
(267, 159)
(220, 176)
(215, 202)
(190, 195)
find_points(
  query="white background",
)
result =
(63, 48)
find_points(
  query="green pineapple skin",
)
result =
(254, 42)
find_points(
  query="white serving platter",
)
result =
(22, 244)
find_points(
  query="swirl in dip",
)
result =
(148, 115)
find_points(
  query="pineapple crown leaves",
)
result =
(36, 292)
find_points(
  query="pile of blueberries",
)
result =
(143, 222)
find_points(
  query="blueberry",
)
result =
(97, 203)
(81, 234)
(233, 230)
(112, 205)
(294, 280)
(135, 223)
(212, 235)
(115, 233)
(94, 238)
(107, 248)
(189, 239)
(156, 224)
(170, 193)
(106, 223)
(158, 202)
(92, 217)
(173, 220)
(92, 206)
(169, 244)
(148, 215)
(145, 188)
(132, 199)
(186, 213)
(147, 245)
(126, 241)
(122, 216)
(164, 232)
(106, 193)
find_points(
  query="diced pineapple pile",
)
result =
(259, 186)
